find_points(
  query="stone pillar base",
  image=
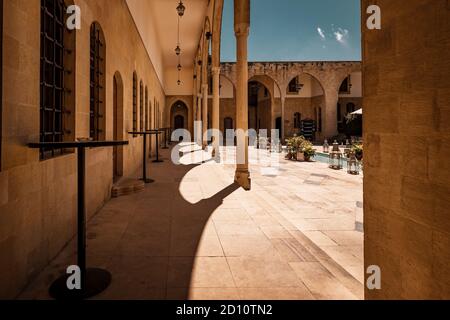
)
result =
(242, 178)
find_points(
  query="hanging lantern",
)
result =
(326, 147)
(181, 8)
(178, 50)
(335, 157)
(353, 164)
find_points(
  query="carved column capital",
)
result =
(215, 71)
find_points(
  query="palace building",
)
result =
(135, 71)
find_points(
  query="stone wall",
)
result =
(407, 144)
(38, 198)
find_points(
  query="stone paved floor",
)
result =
(194, 235)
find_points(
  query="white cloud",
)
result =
(321, 33)
(341, 35)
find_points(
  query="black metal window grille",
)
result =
(134, 103)
(52, 90)
(141, 107)
(96, 82)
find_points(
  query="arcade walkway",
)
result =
(193, 234)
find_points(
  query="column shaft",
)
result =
(216, 112)
(204, 115)
(241, 28)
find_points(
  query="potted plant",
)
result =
(290, 149)
(358, 150)
(309, 153)
(298, 145)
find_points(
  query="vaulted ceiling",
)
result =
(157, 22)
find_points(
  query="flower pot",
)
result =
(289, 156)
(300, 156)
(307, 158)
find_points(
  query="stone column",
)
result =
(241, 30)
(329, 114)
(198, 127)
(215, 113)
(194, 105)
(283, 119)
(204, 115)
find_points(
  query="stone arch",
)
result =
(217, 31)
(179, 110)
(206, 44)
(227, 104)
(261, 111)
(313, 109)
(186, 100)
(349, 98)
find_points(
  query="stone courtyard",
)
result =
(291, 237)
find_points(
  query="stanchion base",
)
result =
(147, 180)
(97, 280)
(157, 161)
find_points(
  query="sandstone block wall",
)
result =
(38, 198)
(407, 146)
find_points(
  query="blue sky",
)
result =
(297, 30)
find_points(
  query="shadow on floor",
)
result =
(154, 255)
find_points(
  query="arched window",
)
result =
(134, 103)
(345, 86)
(294, 86)
(297, 120)
(97, 83)
(147, 113)
(57, 77)
(141, 106)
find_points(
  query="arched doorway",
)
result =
(178, 122)
(350, 100)
(117, 125)
(259, 106)
(304, 107)
(278, 124)
(179, 115)
(228, 123)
